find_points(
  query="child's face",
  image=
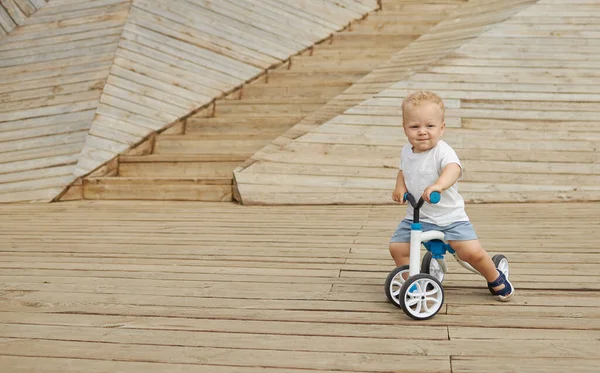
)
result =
(423, 125)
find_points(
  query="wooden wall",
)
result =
(52, 72)
(195, 159)
(522, 101)
(83, 80)
(15, 12)
(178, 56)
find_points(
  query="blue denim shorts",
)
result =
(459, 231)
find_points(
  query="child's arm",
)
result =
(449, 176)
(400, 189)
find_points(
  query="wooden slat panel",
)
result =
(16, 12)
(103, 38)
(45, 365)
(502, 112)
(52, 81)
(177, 48)
(56, 12)
(53, 29)
(31, 194)
(38, 3)
(153, 189)
(58, 60)
(35, 154)
(6, 22)
(533, 365)
(244, 122)
(175, 169)
(268, 21)
(201, 57)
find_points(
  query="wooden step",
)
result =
(420, 10)
(271, 95)
(144, 188)
(177, 169)
(379, 40)
(158, 158)
(286, 78)
(342, 51)
(354, 65)
(240, 145)
(240, 125)
(393, 28)
(228, 107)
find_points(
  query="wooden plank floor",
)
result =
(100, 286)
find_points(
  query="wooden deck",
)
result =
(99, 286)
(520, 114)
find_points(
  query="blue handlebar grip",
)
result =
(435, 197)
(405, 196)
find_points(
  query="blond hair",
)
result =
(417, 98)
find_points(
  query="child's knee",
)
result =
(399, 249)
(470, 252)
(475, 255)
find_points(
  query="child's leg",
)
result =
(400, 252)
(400, 245)
(471, 252)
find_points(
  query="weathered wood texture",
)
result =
(522, 98)
(52, 71)
(84, 80)
(174, 57)
(14, 13)
(196, 287)
(212, 143)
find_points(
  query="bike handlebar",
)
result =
(434, 197)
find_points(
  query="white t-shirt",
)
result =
(421, 170)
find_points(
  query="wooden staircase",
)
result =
(195, 159)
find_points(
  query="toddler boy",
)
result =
(428, 165)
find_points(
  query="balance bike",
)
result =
(421, 295)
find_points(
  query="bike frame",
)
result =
(418, 237)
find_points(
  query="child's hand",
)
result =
(432, 188)
(398, 195)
